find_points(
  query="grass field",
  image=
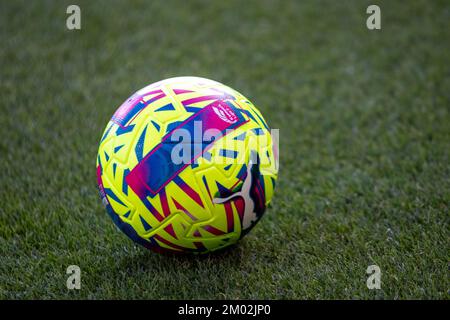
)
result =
(364, 133)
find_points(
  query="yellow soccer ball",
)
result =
(187, 164)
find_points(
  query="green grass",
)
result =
(364, 132)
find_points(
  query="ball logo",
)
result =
(225, 113)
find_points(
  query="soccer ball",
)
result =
(186, 164)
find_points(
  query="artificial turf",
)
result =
(364, 145)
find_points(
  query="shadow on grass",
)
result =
(233, 256)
